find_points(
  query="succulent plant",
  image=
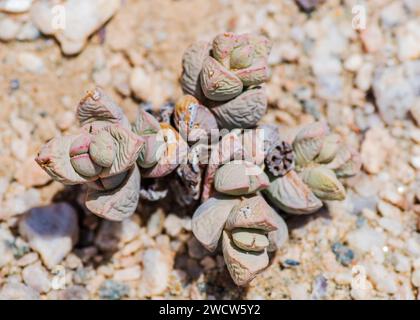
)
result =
(227, 75)
(102, 156)
(307, 172)
(233, 176)
(249, 229)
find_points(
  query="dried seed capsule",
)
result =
(329, 149)
(250, 239)
(291, 195)
(240, 178)
(217, 82)
(280, 159)
(323, 183)
(242, 265)
(102, 149)
(80, 159)
(241, 57)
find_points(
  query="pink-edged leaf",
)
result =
(54, 158)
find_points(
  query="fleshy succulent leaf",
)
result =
(128, 146)
(252, 212)
(102, 149)
(329, 148)
(309, 141)
(116, 204)
(243, 265)
(240, 178)
(346, 163)
(242, 112)
(291, 195)
(323, 183)
(97, 106)
(54, 158)
(250, 239)
(255, 74)
(192, 63)
(209, 219)
(217, 82)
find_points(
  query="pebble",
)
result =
(128, 274)
(51, 231)
(343, 254)
(364, 76)
(298, 291)
(173, 225)
(388, 210)
(23, 201)
(375, 148)
(18, 291)
(408, 40)
(108, 235)
(208, 263)
(140, 83)
(401, 263)
(30, 174)
(395, 89)
(15, 6)
(382, 279)
(113, 290)
(19, 149)
(27, 259)
(353, 62)
(31, 62)
(65, 120)
(157, 266)
(365, 238)
(74, 293)
(6, 254)
(415, 162)
(130, 229)
(415, 278)
(392, 225)
(36, 277)
(9, 28)
(155, 223)
(82, 18)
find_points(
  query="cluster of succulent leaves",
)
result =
(224, 86)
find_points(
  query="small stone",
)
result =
(140, 84)
(298, 291)
(319, 288)
(408, 40)
(130, 229)
(157, 266)
(74, 293)
(9, 28)
(31, 62)
(128, 274)
(415, 278)
(65, 120)
(343, 254)
(375, 148)
(30, 174)
(19, 149)
(383, 279)
(37, 277)
(388, 210)
(401, 263)
(392, 225)
(15, 6)
(415, 162)
(372, 38)
(113, 290)
(6, 254)
(18, 291)
(309, 5)
(108, 235)
(365, 238)
(353, 62)
(364, 76)
(51, 231)
(173, 225)
(27, 259)
(155, 223)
